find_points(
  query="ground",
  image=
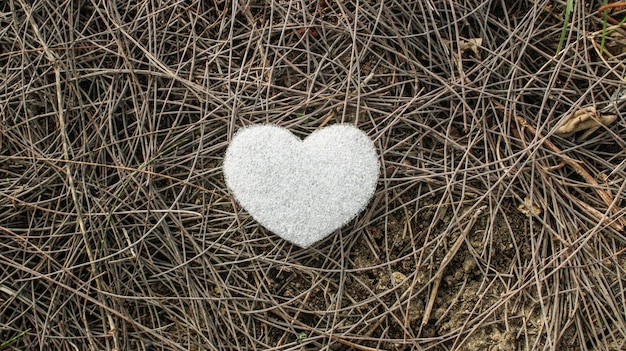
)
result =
(117, 230)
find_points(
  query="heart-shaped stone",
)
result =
(302, 190)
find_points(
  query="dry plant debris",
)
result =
(586, 119)
(117, 231)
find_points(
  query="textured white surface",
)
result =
(302, 190)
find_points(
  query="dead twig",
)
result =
(446, 260)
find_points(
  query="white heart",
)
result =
(302, 190)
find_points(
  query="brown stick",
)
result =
(614, 5)
(447, 258)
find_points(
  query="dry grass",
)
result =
(117, 232)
